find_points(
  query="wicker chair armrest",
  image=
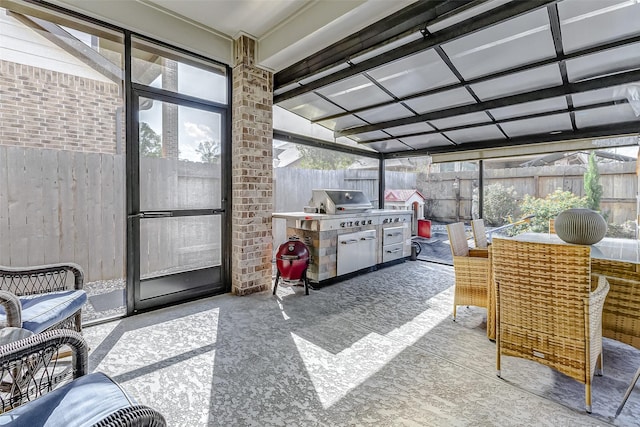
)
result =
(8, 274)
(479, 252)
(19, 350)
(12, 308)
(133, 416)
(598, 296)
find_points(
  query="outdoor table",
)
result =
(616, 259)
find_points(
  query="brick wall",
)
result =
(252, 184)
(48, 109)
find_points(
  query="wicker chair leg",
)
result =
(600, 365)
(629, 390)
(454, 312)
(587, 396)
(78, 321)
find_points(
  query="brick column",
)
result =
(252, 157)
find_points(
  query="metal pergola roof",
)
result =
(454, 75)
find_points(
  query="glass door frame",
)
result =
(134, 303)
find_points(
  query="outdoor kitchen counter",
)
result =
(321, 233)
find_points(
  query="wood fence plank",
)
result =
(5, 246)
(18, 230)
(67, 208)
(94, 217)
(108, 216)
(50, 206)
(81, 223)
(34, 196)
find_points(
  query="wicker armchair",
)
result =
(33, 391)
(546, 311)
(479, 234)
(43, 297)
(471, 269)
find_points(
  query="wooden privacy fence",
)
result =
(619, 182)
(70, 206)
(62, 206)
(58, 206)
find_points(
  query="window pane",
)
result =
(179, 157)
(159, 67)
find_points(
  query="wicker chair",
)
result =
(471, 269)
(34, 393)
(479, 234)
(546, 311)
(43, 297)
(552, 226)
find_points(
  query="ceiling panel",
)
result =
(439, 101)
(354, 92)
(605, 115)
(388, 112)
(368, 136)
(515, 42)
(386, 48)
(532, 107)
(466, 14)
(343, 122)
(603, 63)
(408, 129)
(589, 22)
(481, 133)
(324, 73)
(465, 119)
(524, 81)
(604, 95)
(426, 141)
(538, 125)
(387, 146)
(416, 73)
(310, 106)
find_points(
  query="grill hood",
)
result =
(334, 202)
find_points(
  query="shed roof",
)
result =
(401, 195)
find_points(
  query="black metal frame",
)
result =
(428, 13)
(135, 214)
(132, 162)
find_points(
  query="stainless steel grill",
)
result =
(336, 202)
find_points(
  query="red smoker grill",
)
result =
(292, 260)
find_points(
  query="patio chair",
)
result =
(31, 396)
(479, 233)
(471, 269)
(43, 297)
(546, 311)
(552, 226)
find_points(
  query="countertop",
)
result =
(318, 217)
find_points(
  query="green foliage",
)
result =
(549, 207)
(150, 141)
(318, 158)
(499, 205)
(592, 186)
(209, 151)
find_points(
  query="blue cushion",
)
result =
(82, 402)
(41, 311)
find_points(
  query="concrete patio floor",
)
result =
(379, 349)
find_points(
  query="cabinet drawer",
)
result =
(393, 235)
(392, 252)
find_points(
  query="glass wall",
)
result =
(62, 150)
(542, 186)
